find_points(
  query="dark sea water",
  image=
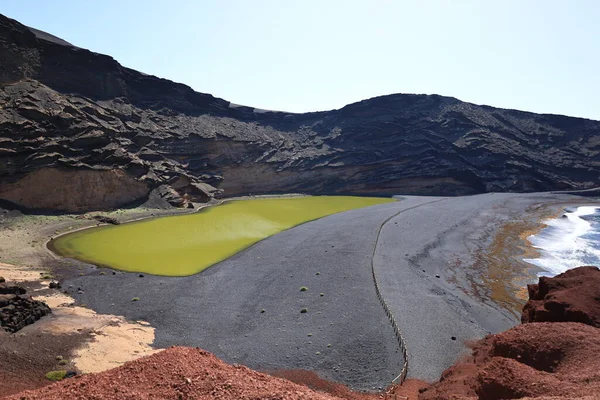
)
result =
(570, 241)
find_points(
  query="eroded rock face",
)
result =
(69, 108)
(74, 190)
(573, 296)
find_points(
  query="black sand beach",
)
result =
(247, 309)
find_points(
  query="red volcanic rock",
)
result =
(175, 373)
(530, 360)
(555, 357)
(573, 296)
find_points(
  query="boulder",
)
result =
(54, 285)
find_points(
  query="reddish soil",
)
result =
(573, 296)
(409, 389)
(318, 384)
(187, 373)
(175, 373)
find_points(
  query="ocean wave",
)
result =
(568, 242)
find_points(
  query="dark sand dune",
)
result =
(221, 309)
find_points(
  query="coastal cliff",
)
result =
(75, 114)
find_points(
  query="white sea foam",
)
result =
(567, 242)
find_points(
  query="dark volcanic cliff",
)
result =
(78, 131)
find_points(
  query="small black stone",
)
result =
(54, 285)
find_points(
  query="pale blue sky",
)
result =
(308, 55)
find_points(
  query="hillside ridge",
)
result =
(111, 136)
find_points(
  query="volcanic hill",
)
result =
(78, 131)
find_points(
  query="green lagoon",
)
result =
(187, 244)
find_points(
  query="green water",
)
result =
(187, 244)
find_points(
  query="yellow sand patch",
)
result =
(113, 346)
(13, 273)
(114, 340)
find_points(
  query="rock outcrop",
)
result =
(18, 310)
(536, 359)
(573, 296)
(73, 189)
(68, 109)
(531, 360)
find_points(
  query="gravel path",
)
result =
(247, 309)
